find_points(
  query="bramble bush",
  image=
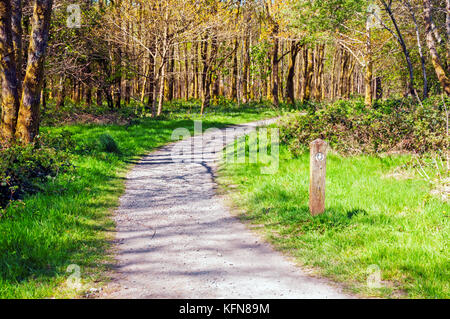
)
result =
(389, 126)
(24, 168)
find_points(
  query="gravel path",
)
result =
(177, 239)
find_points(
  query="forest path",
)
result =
(177, 239)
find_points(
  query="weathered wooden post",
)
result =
(318, 164)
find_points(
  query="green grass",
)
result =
(370, 219)
(69, 222)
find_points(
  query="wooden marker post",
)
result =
(318, 164)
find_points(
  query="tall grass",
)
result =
(372, 217)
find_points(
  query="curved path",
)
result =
(176, 239)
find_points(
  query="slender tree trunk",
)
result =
(344, 66)
(275, 63)
(333, 74)
(308, 58)
(162, 78)
(368, 68)
(44, 95)
(440, 72)
(109, 98)
(88, 95)
(378, 88)
(170, 75)
(234, 78)
(447, 27)
(99, 97)
(126, 80)
(246, 66)
(144, 83)
(195, 71)
(291, 72)
(118, 79)
(61, 95)
(152, 77)
(28, 119)
(186, 73)
(319, 90)
(207, 70)
(349, 78)
(162, 75)
(401, 41)
(204, 58)
(419, 46)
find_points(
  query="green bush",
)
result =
(106, 143)
(62, 141)
(351, 128)
(24, 168)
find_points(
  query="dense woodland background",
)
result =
(292, 51)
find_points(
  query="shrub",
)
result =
(106, 143)
(61, 141)
(24, 168)
(351, 128)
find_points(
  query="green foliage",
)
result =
(24, 168)
(314, 17)
(106, 143)
(260, 60)
(351, 128)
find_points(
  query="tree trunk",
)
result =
(162, 79)
(170, 74)
(274, 81)
(447, 27)
(234, 78)
(369, 68)
(152, 77)
(378, 88)
(16, 25)
(333, 74)
(319, 90)
(291, 72)
(245, 67)
(99, 97)
(10, 95)
(186, 73)
(28, 119)
(207, 71)
(419, 46)
(195, 71)
(61, 95)
(44, 96)
(400, 40)
(440, 72)
(118, 79)
(308, 59)
(343, 70)
(109, 98)
(349, 78)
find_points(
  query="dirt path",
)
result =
(176, 239)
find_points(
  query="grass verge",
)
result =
(373, 220)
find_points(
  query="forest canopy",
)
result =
(152, 51)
